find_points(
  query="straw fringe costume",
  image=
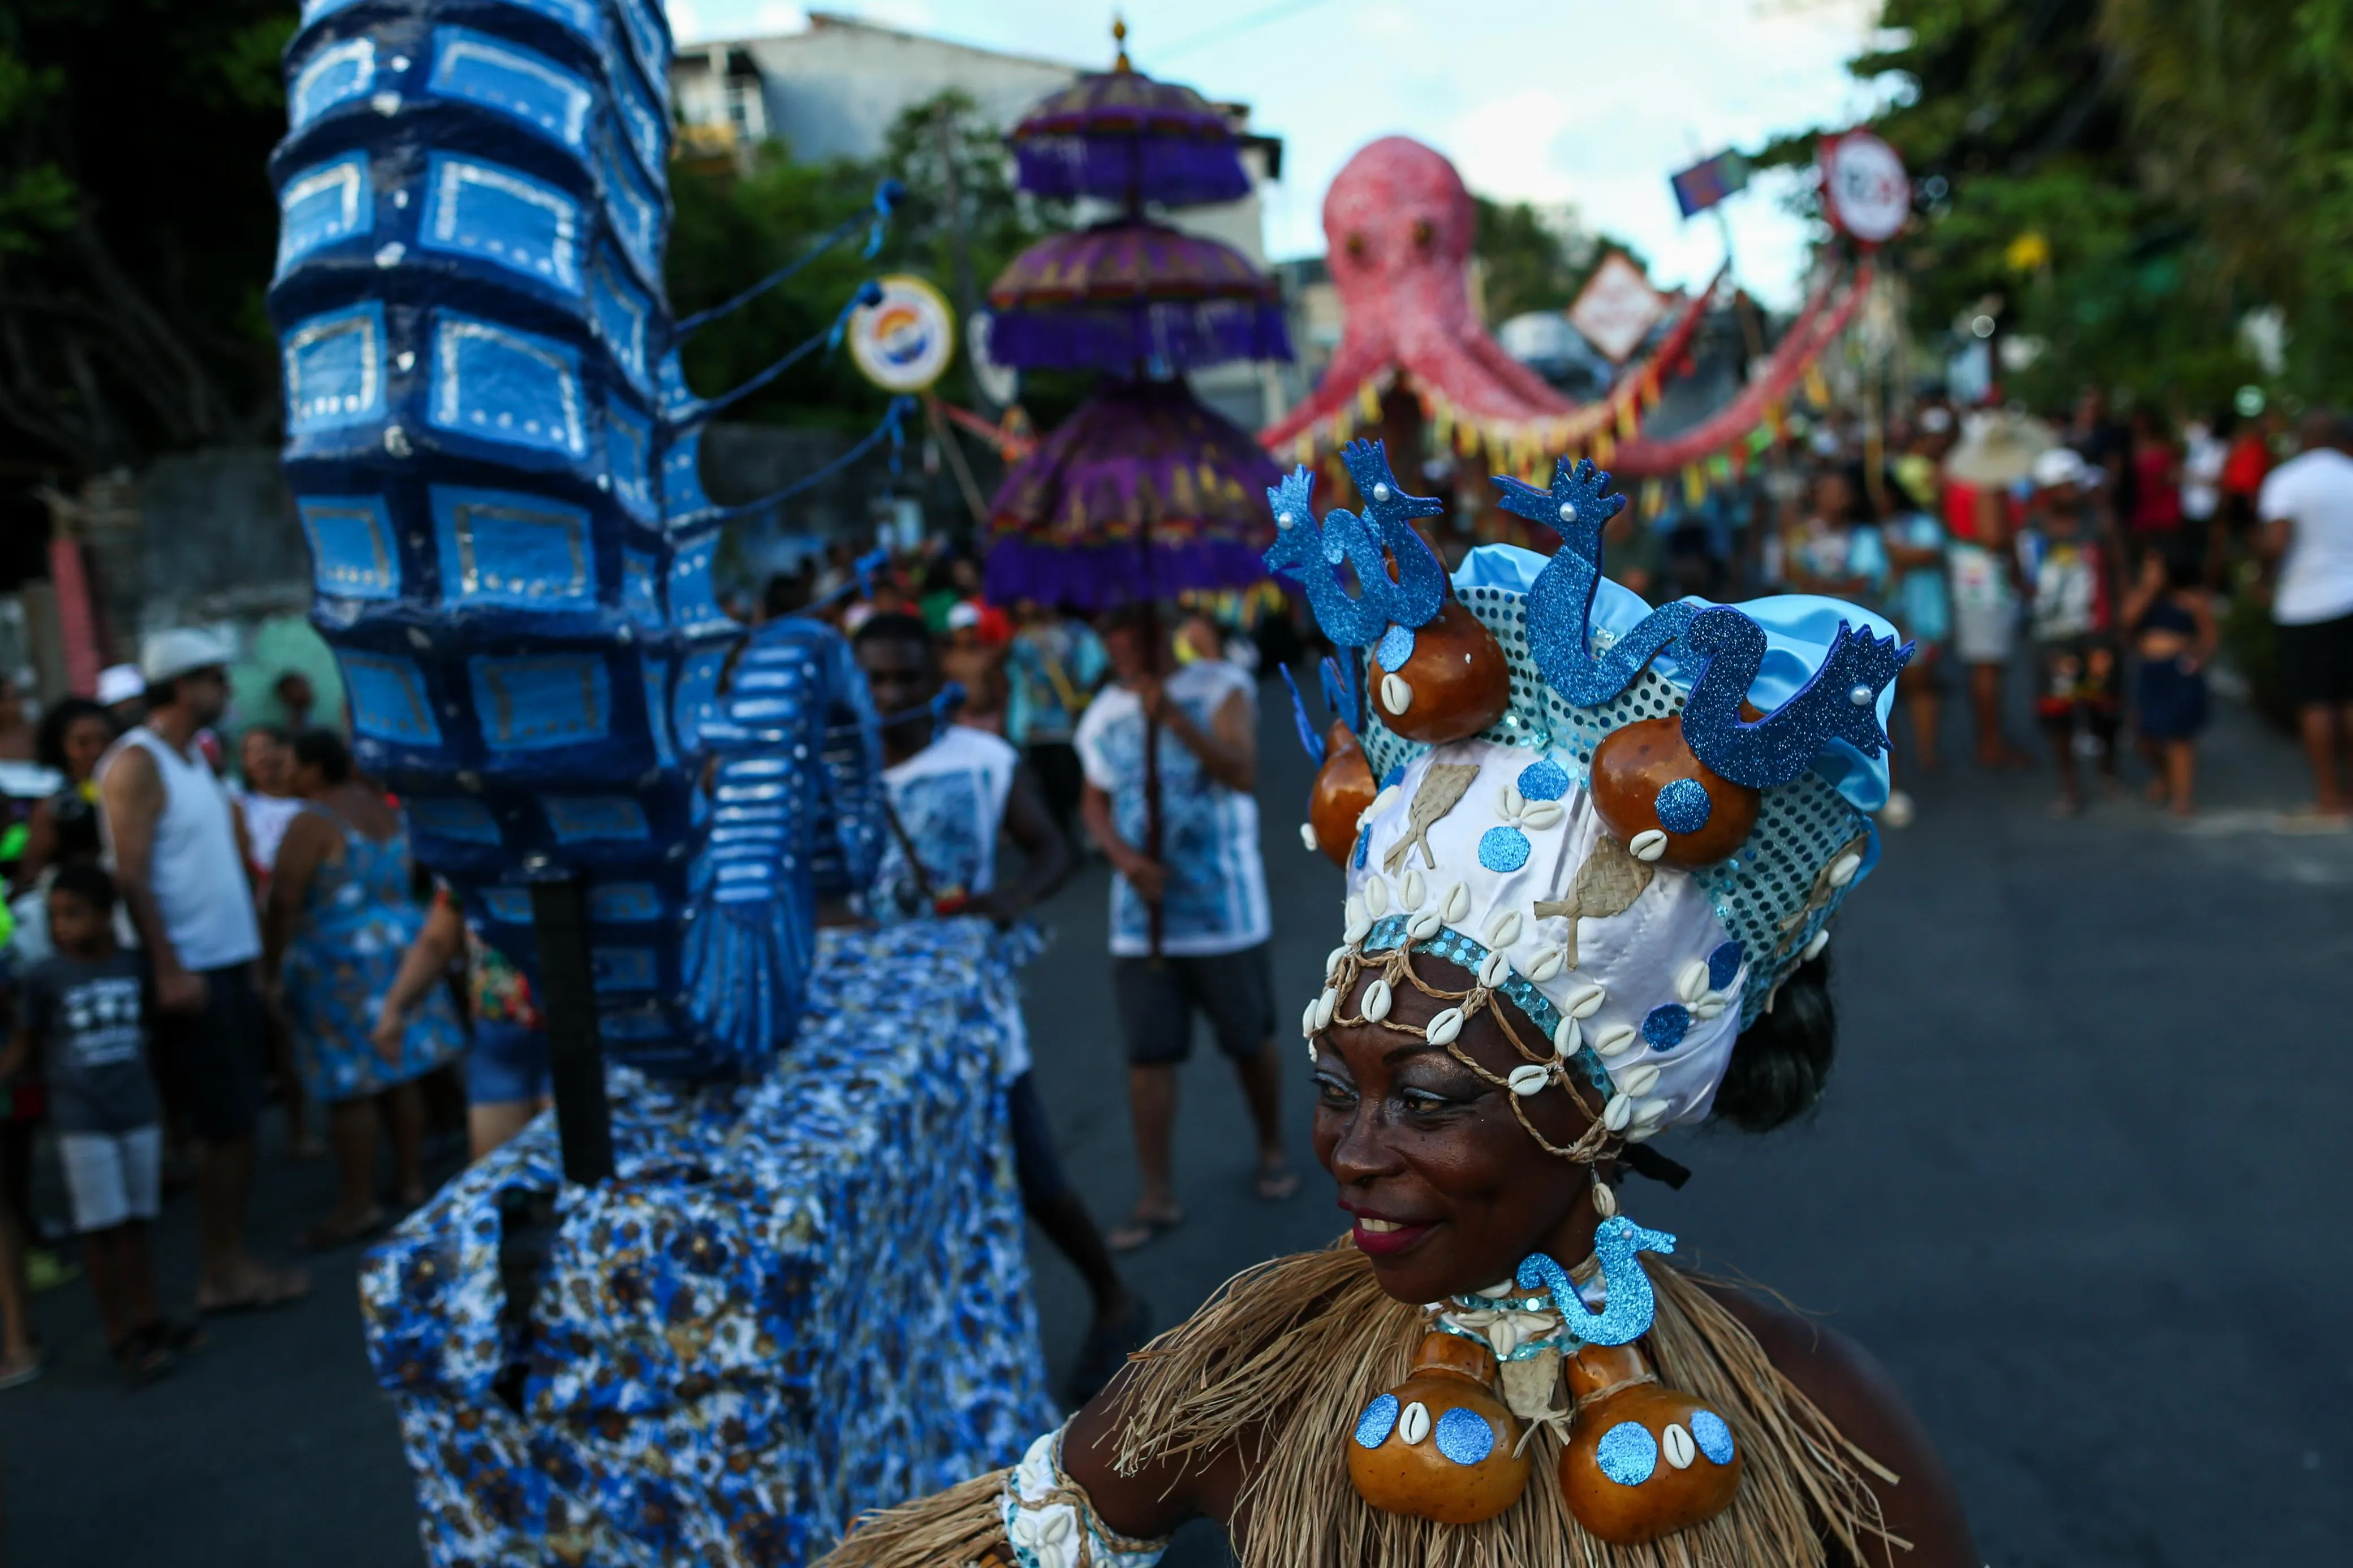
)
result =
(1634, 826)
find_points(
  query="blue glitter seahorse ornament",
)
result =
(1312, 555)
(1632, 1303)
(1560, 601)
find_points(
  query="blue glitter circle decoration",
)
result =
(1723, 965)
(1373, 1427)
(1714, 1437)
(1628, 1453)
(1396, 647)
(1503, 849)
(1683, 806)
(1464, 1436)
(1665, 1027)
(1542, 779)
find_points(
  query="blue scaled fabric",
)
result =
(764, 1323)
(511, 551)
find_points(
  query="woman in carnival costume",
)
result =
(1592, 851)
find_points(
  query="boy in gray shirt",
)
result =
(85, 1010)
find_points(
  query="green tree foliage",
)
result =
(1527, 265)
(959, 223)
(137, 231)
(2120, 181)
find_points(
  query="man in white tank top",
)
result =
(178, 851)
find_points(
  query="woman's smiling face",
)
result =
(1449, 1190)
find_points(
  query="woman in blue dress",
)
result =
(341, 914)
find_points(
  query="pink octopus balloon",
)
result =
(1398, 224)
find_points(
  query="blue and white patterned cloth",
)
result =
(797, 1299)
(949, 800)
(1216, 898)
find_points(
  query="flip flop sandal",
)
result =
(1141, 1230)
(140, 1359)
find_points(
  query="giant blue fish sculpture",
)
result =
(512, 556)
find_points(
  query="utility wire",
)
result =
(1219, 33)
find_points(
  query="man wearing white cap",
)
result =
(179, 854)
(123, 692)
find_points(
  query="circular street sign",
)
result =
(1864, 188)
(904, 343)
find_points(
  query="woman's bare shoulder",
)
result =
(1848, 1385)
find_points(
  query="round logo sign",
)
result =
(1864, 188)
(904, 343)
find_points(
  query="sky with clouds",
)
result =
(1589, 101)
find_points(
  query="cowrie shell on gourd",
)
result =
(1414, 1425)
(1352, 910)
(1423, 926)
(1605, 1202)
(1546, 965)
(1504, 929)
(1706, 1007)
(1493, 968)
(1614, 1039)
(1411, 889)
(1387, 797)
(1678, 1446)
(1640, 1132)
(1649, 1113)
(1313, 1054)
(1307, 834)
(1648, 844)
(1500, 1288)
(1692, 984)
(1843, 869)
(1377, 1001)
(1358, 928)
(1542, 814)
(1529, 1079)
(1395, 695)
(1456, 905)
(1617, 1113)
(1331, 962)
(1821, 938)
(1584, 1001)
(1444, 1029)
(1307, 1021)
(1513, 802)
(1325, 1005)
(1377, 898)
(1567, 1039)
(1640, 1079)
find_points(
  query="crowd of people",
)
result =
(2107, 554)
(176, 951)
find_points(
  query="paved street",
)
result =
(2080, 1181)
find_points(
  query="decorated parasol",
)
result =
(1122, 136)
(1129, 293)
(1141, 493)
(1399, 223)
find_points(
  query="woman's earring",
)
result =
(1440, 1446)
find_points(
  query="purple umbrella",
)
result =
(1141, 494)
(1128, 293)
(1124, 137)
